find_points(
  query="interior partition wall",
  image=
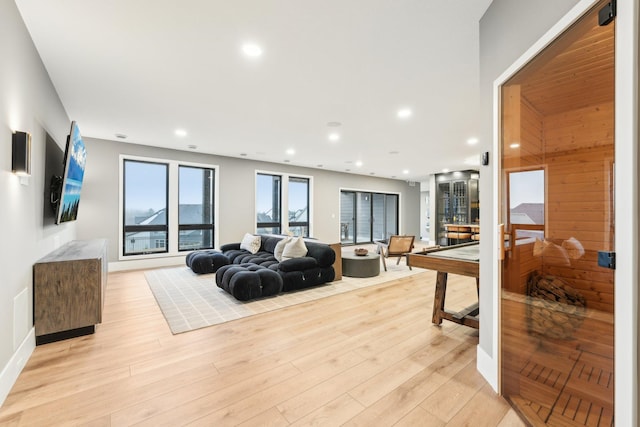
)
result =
(367, 216)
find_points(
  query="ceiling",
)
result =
(146, 68)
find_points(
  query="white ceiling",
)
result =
(145, 68)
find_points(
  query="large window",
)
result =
(195, 213)
(277, 193)
(366, 217)
(299, 206)
(268, 203)
(167, 207)
(146, 198)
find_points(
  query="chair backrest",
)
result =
(400, 244)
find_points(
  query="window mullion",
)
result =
(172, 209)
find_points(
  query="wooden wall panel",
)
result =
(579, 159)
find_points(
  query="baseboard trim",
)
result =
(140, 264)
(488, 368)
(16, 364)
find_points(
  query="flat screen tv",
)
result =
(75, 157)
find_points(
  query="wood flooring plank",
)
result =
(269, 418)
(251, 405)
(300, 365)
(455, 393)
(334, 413)
(420, 417)
(483, 402)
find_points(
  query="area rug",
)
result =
(189, 301)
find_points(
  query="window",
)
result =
(299, 206)
(526, 203)
(277, 193)
(366, 217)
(195, 208)
(167, 207)
(268, 203)
(145, 196)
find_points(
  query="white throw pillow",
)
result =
(277, 251)
(294, 249)
(250, 243)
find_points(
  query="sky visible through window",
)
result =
(526, 187)
(145, 186)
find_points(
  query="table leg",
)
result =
(438, 298)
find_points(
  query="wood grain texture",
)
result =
(368, 357)
(69, 286)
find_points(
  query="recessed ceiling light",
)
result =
(359, 163)
(404, 113)
(472, 141)
(291, 151)
(252, 50)
(334, 136)
(181, 133)
(406, 172)
(121, 135)
(515, 145)
(445, 170)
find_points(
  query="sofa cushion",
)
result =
(204, 262)
(294, 249)
(294, 264)
(250, 243)
(323, 253)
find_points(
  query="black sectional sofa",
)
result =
(249, 275)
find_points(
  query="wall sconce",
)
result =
(21, 153)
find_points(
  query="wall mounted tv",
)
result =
(65, 190)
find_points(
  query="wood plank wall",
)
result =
(576, 149)
(579, 159)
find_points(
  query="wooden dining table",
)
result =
(463, 259)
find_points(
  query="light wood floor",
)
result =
(365, 358)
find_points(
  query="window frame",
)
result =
(172, 206)
(199, 226)
(284, 201)
(306, 223)
(144, 228)
(355, 193)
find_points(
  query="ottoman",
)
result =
(248, 281)
(360, 266)
(205, 262)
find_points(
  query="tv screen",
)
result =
(74, 161)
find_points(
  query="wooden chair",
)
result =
(395, 246)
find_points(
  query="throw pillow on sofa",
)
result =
(250, 243)
(294, 249)
(277, 252)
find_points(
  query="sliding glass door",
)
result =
(366, 217)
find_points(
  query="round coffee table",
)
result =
(360, 266)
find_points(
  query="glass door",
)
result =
(557, 163)
(347, 217)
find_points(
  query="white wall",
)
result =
(28, 102)
(98, 212)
